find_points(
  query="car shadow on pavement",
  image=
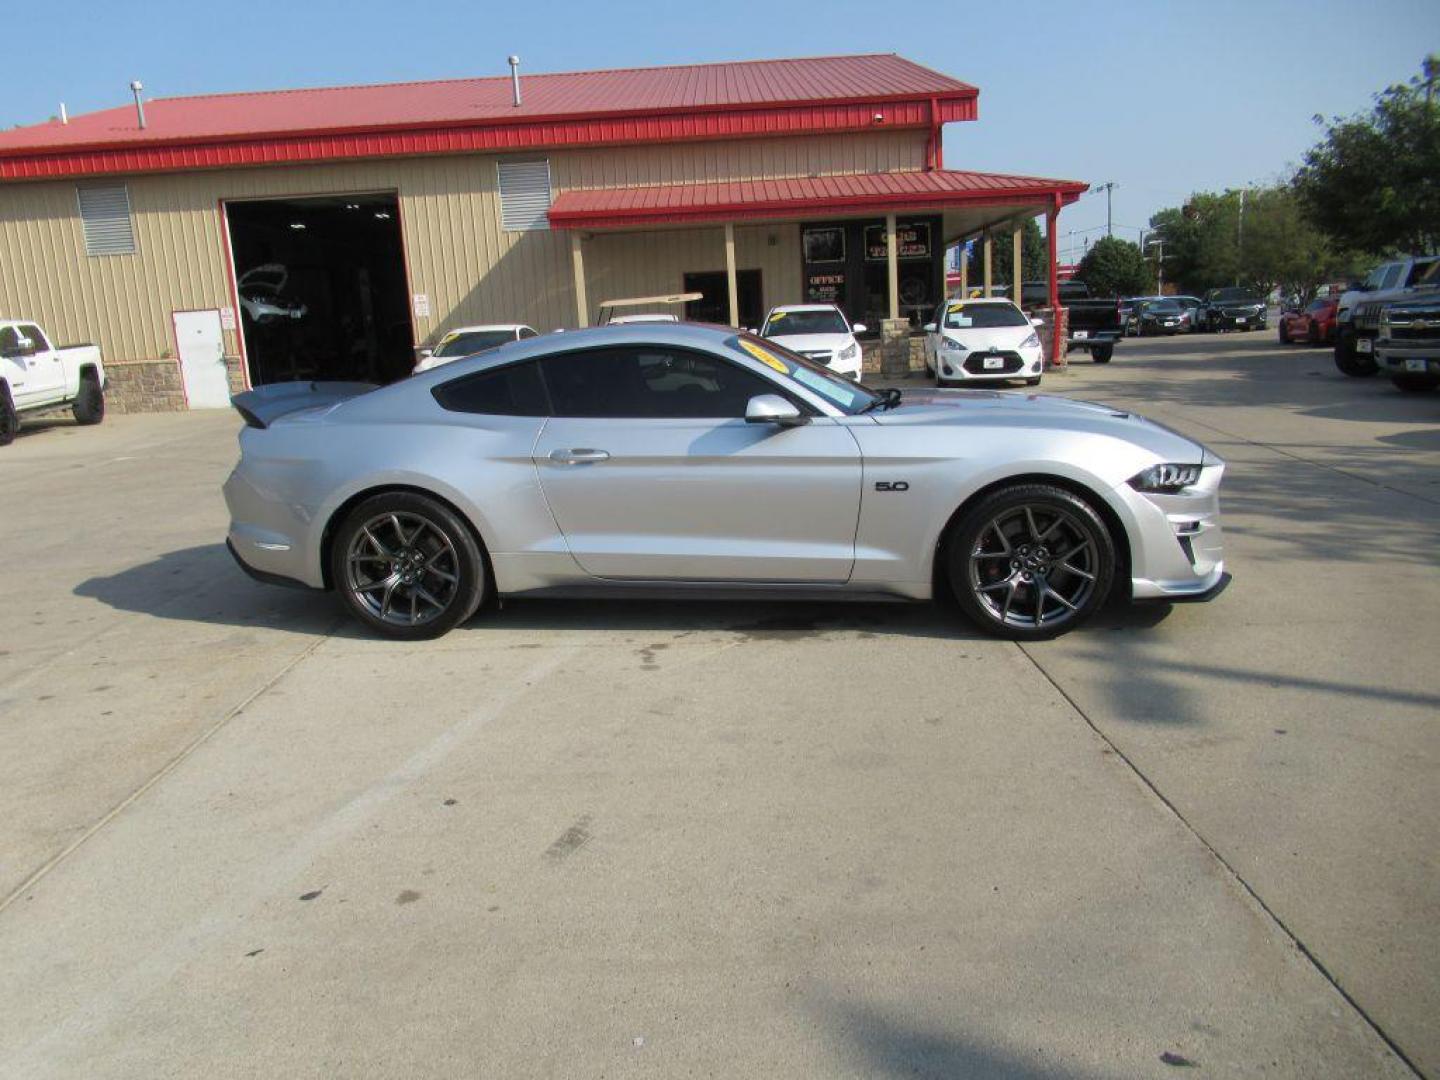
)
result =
(203, 584)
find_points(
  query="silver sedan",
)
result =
(695, 461)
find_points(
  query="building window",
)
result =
(524, 195)
(105, 217)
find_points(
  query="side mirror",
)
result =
(773, 409)
(858, 328)
(929, 328)
(425, 354)
(1037, 322)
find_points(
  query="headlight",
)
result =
(1166, 479)
(954, 346)
(1031, 342)
(849, 352)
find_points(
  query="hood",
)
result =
(979, 338)
(812, 342)
(1000, 408)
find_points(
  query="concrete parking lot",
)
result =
(240, 838)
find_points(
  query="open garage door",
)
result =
(322, 288)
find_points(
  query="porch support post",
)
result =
(892, 265)
(731, 286)
(989, 255)
(1057, 323)
(577, 261)
(964, 270)
(1017, 295)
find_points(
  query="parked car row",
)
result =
(1387, 323)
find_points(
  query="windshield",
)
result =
(465, 342)
(804, 322)
(1162, 307)
(961, 316)
(1232, 296)
(847, 396)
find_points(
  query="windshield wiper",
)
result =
(887, 398)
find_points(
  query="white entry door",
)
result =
(201, 345)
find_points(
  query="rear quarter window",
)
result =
(513, 390)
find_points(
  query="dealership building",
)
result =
(214, 242)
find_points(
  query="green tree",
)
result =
(1373, 182)
(1034, 264)
(1115, 267)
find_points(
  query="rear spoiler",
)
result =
(264, 405)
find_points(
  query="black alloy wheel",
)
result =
(1030, 561)
(408, 566)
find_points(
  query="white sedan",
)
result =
(983, 340)
(818, 332)
(469, 340)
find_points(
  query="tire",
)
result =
(1284, 333)
(1416, 384)
(1350, 362)
(390, 561)
(1103, 354)
(1030, 561)
(1033, 382)
(9, 418)
(1312, 335)
(89, 405)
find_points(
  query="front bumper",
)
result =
(1176, 541)
(1408, 357)
(956, 367)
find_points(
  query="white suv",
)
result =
(978, 340)
(818, 332)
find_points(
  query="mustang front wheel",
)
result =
(1031, 561)
(406, 565)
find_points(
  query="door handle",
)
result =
(578, 456)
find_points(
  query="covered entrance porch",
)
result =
(871, 243)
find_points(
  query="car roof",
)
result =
(489, 326)
(975, 301)
(804, 307)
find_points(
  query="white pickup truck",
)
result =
(35, 375)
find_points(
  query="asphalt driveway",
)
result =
(239, 838)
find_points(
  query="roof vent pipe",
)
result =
(135, 88)
(64, 116)
(515, 79)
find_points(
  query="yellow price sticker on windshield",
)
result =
(765, 357)
(956, 307)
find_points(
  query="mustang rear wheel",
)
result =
(407, 566)
(1030, 561)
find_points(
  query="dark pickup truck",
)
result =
(1094, 324)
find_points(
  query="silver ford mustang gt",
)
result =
(698, 461)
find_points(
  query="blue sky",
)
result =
(1162, 98)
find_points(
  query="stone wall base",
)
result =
(871, 352)
(155, 385)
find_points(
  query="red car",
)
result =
(1315, 324)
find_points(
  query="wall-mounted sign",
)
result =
(824, 288)
(422, 305)
(227, 318)
(824, 244)
(911, 241)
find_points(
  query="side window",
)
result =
(514, 390)
(526, 332)
(650, 382)
(1418, 272)
(33, 333)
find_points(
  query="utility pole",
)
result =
(1240, 236)
(1108, 187)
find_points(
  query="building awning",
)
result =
(937, 191)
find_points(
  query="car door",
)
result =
(43, 379)
(653, 473)
(934, 338)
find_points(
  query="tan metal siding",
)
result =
(456, 251)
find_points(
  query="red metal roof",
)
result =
(823, 196)
(642, 104)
